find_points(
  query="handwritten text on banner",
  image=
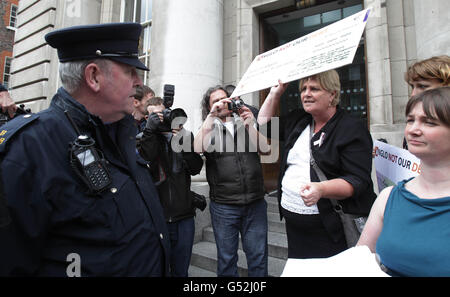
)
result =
(328, 48)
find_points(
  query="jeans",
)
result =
(251, 222)
(181, 240)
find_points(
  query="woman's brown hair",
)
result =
(435, 104)
(433, 68)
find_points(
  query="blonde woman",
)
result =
(341, 147)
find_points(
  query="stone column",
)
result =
(378, 65)
(387, 38)
(187, 51)
(432, 20)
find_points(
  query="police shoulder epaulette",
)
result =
(8, 130)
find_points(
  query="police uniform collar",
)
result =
(78, 112)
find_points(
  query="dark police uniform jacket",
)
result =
(119, 232)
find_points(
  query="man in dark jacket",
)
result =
(140, 103)
(81, 202)
(172, 163)
(230, 143)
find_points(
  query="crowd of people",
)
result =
(102, 179)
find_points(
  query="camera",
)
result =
(235, 105)
(168, 114)
(198, 201)
(169, 92)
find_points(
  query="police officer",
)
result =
(69, 217)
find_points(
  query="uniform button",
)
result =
(160, 235)
(27, 116)
(113, 190)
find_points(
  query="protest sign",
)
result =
(328, 48)
(393, 164)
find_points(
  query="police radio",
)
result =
(88, 162)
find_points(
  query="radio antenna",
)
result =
(72, 122)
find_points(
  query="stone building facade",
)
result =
(200, 43)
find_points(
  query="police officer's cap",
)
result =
(115, 41)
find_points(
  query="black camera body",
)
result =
(235, 105)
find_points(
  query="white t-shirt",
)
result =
(230, 126)
(296, 175)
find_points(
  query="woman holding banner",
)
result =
(341, 147)
(408, 226)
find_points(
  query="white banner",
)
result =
(393, 164)
(354, 262)
(328, 48)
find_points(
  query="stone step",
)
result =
(204, 256)
(195, 271)
(272, 204)
(274, 223)
(277, 242)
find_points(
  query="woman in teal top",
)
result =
(415, 240)
(409, 225)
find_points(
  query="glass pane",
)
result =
(149, 9)
(147, 38)
(8, 65)
(348, 11)
(137, 10)
(312, 20)
(331, 16)
(143, 11)
(354, 73)
(13, 16)
(6, 81)
(128, 11)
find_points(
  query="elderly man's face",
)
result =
(119, 90)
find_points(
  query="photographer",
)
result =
(171, 169)
(6, 102)
(230, 142)
(140, 103)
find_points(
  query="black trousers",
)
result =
(308, 238)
